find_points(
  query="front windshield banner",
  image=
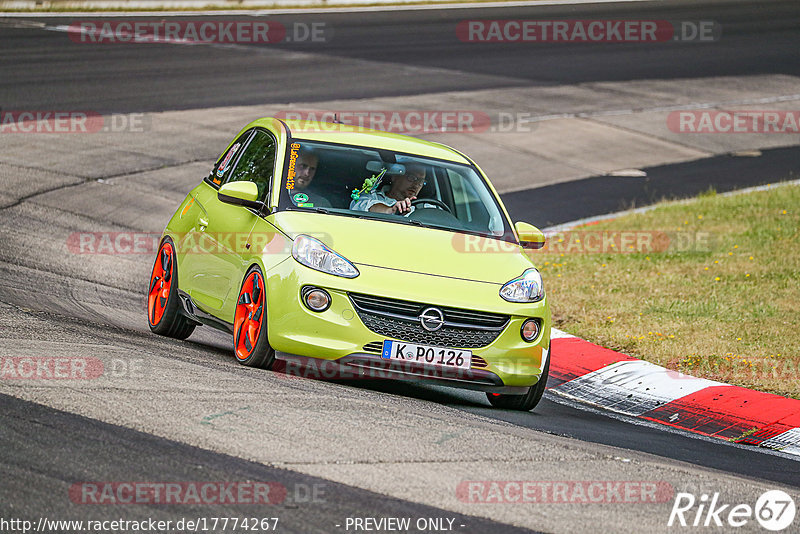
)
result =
(290, 173)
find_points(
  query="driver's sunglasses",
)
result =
(416, 180)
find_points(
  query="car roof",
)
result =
(347, 134)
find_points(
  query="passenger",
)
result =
(396, 196)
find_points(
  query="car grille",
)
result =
(399, 319)
(374, 347)
(477, 361)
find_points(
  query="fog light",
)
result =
(316, 299)
(530, 329)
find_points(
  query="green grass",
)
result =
(720, 302)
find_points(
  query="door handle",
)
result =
(203, 222)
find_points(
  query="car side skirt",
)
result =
(190, 310)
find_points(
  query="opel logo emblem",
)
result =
(431, 319)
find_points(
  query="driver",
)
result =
(304, 194)
(397, 196)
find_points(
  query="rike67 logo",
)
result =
(774, 510)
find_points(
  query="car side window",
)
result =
(469, 207)
(257, 163)
(223, 166)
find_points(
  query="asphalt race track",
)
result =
(386, 53)
(169, 411)
(608, 194)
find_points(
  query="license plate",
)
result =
(441, 356)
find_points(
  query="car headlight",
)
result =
(312, 253)
(526, 288)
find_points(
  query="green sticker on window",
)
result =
(300, 197)
(305, 205)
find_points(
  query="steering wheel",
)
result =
(437, 203)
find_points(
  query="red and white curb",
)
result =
(588, 373)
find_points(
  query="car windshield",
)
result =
(366, 182)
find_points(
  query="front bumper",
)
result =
(365, 366)
(506, 365)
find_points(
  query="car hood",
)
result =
(410, 248)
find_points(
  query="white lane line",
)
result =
(656, 109)
(616, 215)
(644, 209)
(303, 10)
(555, 333)
(128, 36)
(249, 48)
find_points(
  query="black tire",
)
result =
(163, 312)
(526, 402)
(252, 350)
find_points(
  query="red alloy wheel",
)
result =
(160, 284)
(249, 317)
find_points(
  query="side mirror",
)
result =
(240, 194)
(529, 235)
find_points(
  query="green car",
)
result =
(380, 254)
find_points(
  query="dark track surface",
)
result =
(45, 70)
(66, 451)
(598, 195)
